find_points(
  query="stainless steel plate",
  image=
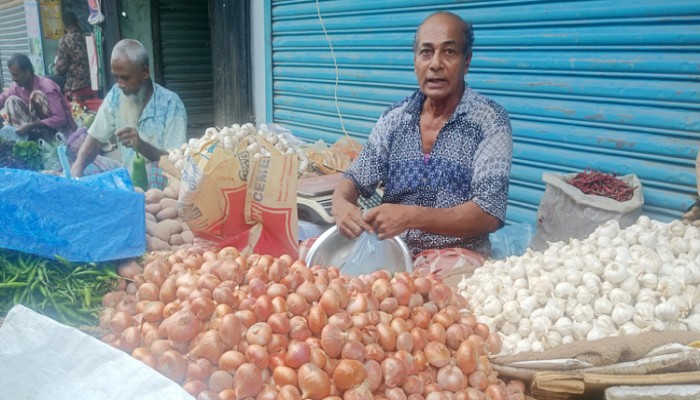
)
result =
(332, 249)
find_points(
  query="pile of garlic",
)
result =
(231, 137)
(615, 282)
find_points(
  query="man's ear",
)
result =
(467, 63)
(145, 72)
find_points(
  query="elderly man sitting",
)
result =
(146, 118)
(33, 107)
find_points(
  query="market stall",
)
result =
(222, 304)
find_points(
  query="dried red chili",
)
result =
(601, 184)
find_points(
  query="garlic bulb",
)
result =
(615, 282)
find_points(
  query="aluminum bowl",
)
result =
(331, 249)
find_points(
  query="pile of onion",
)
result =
(227, 326)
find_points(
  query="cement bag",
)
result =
(93, 219)
(232, 199)
(565, 212)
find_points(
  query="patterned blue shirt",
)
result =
(470, 161)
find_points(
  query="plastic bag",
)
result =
(368, 254)
(511, 240)
(565, 212)
(97, 218)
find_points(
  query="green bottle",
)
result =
(139, 176)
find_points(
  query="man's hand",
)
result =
(389, 220)
(23, 130)
(76, 170)
(129, 137)
(348, 218)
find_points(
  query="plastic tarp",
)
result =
(43, 359)
(92, 219)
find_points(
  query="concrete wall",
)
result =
(135, 23)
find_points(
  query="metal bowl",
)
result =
(332, 249)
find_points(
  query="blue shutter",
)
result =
(611, 85)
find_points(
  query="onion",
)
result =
(354, 350)
(119, 322)
(156, 271)
(395, 394)
(259, 333)
(285, 376)
(231, 360)
(359, 392)
(145, 356)
(404, 341)
(277, 290)
(257, 355)
(130, 339)
(173, 365)
(247, 381)
(199, 369)
(349, 373)
(374, 352)
(147, 291)
(247, 317)
(203, 307)
(278, 343)
(332, 340)
(129, 269)
(342, 319)
(230, 330)
(314, 383)
(437, 354)
(467, 356)
(309, 291)
(298, 354)
(394, 372)
(208, 281)
(297, 304)
(195, 387)
(279, 323)
(267, 393)
(299, 328)
(387, 337)
(182, 326)
(209, 346)
(451, 378)
(263, 308)
(317, 319)
(330, 301)
(478, 379)
(111, 299)
(220, 381)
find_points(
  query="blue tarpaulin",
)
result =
(92, 219)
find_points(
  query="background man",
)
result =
(444, 154)
(145, 117)
(33, 107)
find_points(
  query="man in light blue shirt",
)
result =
(146, 117)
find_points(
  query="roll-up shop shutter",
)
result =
(612, 84)
(185, 38)
(13, 36)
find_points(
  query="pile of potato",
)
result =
(164, 229)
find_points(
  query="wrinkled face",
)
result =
(130, 76)
(21, 78)
(439, 61)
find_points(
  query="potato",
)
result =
(154, 196)
(171, 193)
(167, 213)
(187, 236)
(154, 244)
(176, 240)
(171, 226)
(166, 202)
(151, 227)
(153, 208)
(138, 189)
(185, 228)
(151, 217)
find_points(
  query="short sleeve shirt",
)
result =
(470, 161)
(163, 122)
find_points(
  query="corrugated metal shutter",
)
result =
(186, 58)
(612, 85)
(13, 37)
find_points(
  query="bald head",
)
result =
(467, 32)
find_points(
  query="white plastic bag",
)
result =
(368, 254)
(43, 359)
